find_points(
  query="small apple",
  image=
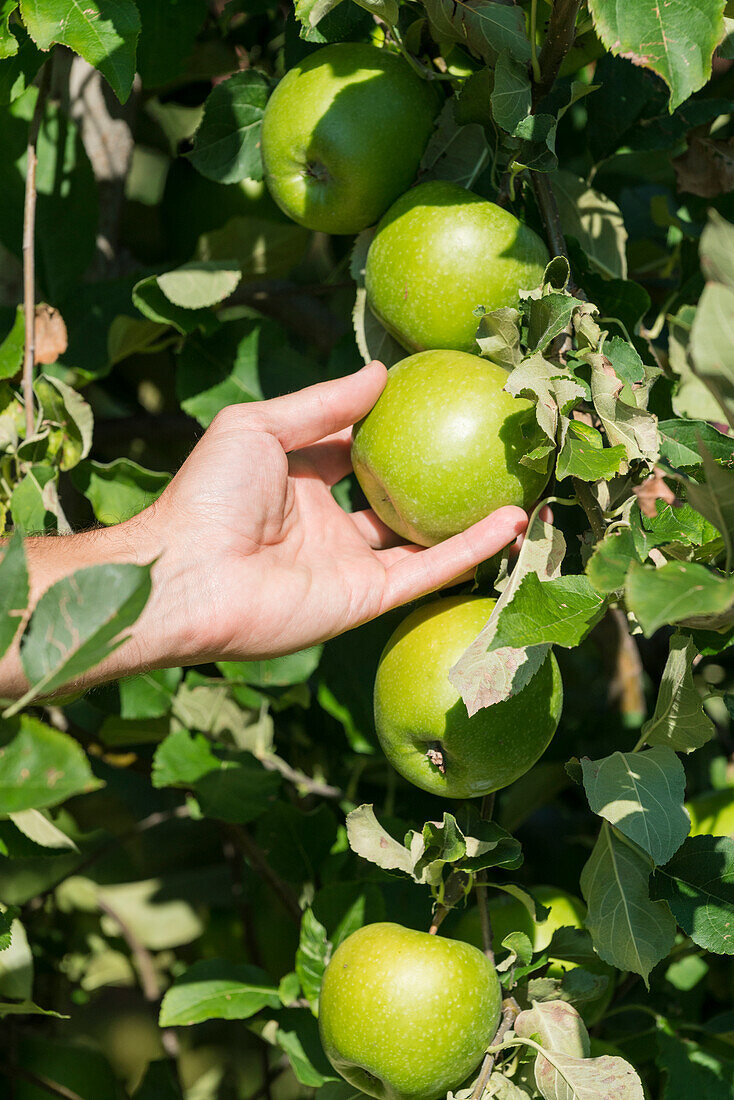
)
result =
(442, 447)
(343, 135)
(439, 252)
(422, 722)
(404, 1015)
(508, 915)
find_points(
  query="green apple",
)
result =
(438, 253)
(422, 722)
(712, 814)
(404, 1015)
(343, 135)
(442, 447)
(508, 915)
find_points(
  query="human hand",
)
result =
(256, 557)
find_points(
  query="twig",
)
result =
(233, 856)
(146, 971)
(261, 867)
(53, 1088)
(591, 507)
(510, 1011)
(558, 41)
(454, 891)
(29, 251)
(548, 208)
(486, 811)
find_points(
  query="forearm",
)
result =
(158, 639)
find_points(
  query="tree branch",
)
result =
(510, 1012)
(261, 867)
(149, 982)
(53, 1088)
(29, 251)
(591, 507)
(486, 811)
(548, 208)
(558, 41)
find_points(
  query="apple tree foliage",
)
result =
(181, 852)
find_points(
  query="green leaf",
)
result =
(182, 759)
(245, 360)
(715, 250)
(39, 829)
(486, 28)
(151, 301)
(103, 32)
(34, 503)
(583, 455)
(296, 1033)
(679, 440)
(227, 143)
(553, 388)
(679, 719)
(312, 957)
(39, 766)
(149, 694)
(129, 336)
(370, 841)
(556, 1026)
(634, 428)
(548, 317)
(698, 884)
(294, 668)
(554, 612)
(200, 283)
(712, 344)
(64, 409)
(484, 676)
(311, 12)
(8, 41)
(213, 989)
(258, 247)
(608, 565)
(118, 490)
(677, 592)
(595, 221)
(676, 41)
(458, 153)
(628, 929)
(7, 916)
(238, 791)
(641, 794)
(537, 149)
(714, 498)
(79, 621)
(498, 336)
(512, 95)
(16, 966)
(692, 1070)
(11, 349)
(13, 590)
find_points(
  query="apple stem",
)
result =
(437, 758)
(510, 1012)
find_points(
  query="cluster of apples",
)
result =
(342, 140)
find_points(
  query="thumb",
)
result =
(310, 414)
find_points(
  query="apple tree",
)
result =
(545, 189)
